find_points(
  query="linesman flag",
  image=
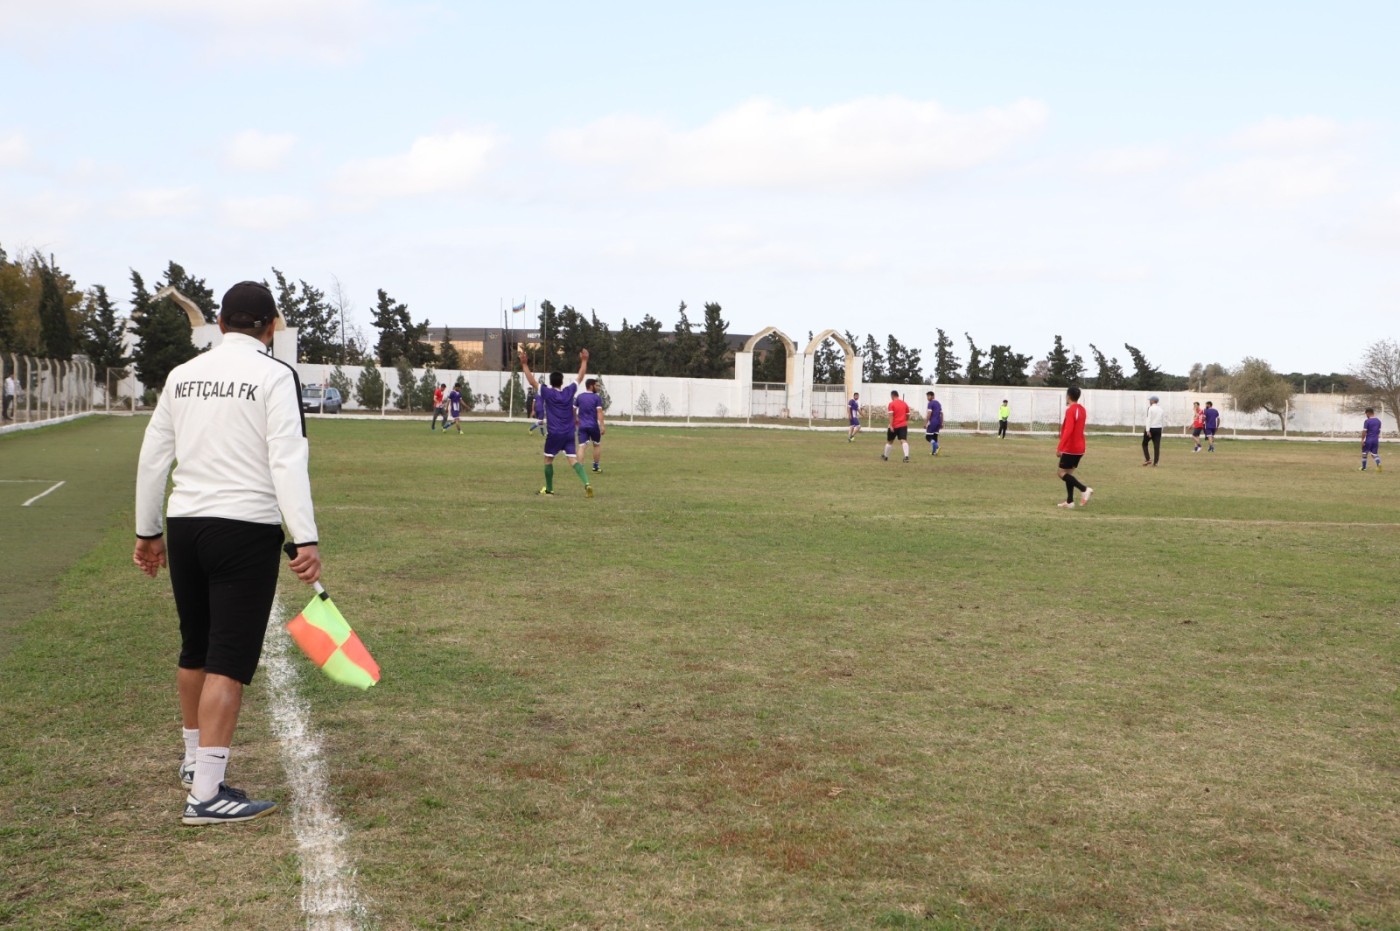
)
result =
(518, 308)
(328, 641)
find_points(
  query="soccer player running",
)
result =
(1071, 448)
(454, 405)
(438, 409)
(230, 422)
(933, 424)
(1198, 424)
(559, 419)
(1371, 438)
(590, 420)
(853, 405)
(1003, 417)
(1212, 418)
(899, 426)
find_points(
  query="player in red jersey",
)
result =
(899, 426)
(1071, 448)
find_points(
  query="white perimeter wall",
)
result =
(964, 406)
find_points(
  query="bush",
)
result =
(512, 395)
(369, 390)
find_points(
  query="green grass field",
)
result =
(762, 680)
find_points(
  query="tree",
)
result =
(549, 339)
(687, 349)
(425, 389)
(101, 337)
(1378, 378)
(512, 395)
(340, 381)
(56, 328)
(903, 363)
(977, 373)
(1146, 376)
(770, 360)
(163, 335)
(945, 364)
(1110, 372)
(1255, 386)
(716, 343)
(447, 353)
(1007, 367)
(873, 360)
(351, 347)
(399, 336)
(369, 389)
(828, 368)
(404, 399)
(315, 320)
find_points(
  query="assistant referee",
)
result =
(230, 421)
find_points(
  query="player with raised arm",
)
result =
(590, 420)
(899, 426)
(559, 420)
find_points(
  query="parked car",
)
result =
(318, 400)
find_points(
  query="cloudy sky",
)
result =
(1204, 180)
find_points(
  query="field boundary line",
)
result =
(51, 489)
(328, 897)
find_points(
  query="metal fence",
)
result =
(38, 389)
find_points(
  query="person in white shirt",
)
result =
(230, 421)
(11, 389)
(1152, 431)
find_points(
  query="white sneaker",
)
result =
(1084, 499)
(1066, 504)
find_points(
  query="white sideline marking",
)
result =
(327, 876)
(42, 493)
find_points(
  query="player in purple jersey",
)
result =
(854, 406)
(1371, 438)
(1212, 424)
(933, 423)
(559, 420)
(590, 420)
(454, 407)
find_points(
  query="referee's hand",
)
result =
(149, 555)
(307, 564)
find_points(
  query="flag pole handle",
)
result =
(291, 550)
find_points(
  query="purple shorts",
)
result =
(555, 443)
(1370, 446)
(855, 421)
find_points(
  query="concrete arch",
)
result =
(758, 337)
(788, 346)
(852, 366)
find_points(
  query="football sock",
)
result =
(935, 447)
(549, 477)
(1069, 489)
(578, 467)
(210, 763)
(191, 736)
(887, 450)
(906, 449)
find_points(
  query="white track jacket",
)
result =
(230, 420)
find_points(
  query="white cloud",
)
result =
(870, 142)
(1273, 182)
(266, 213)
(252, 150)
(14, 150)
(432, 165)
(1132, 160)
(157, 203)
(1281, 135)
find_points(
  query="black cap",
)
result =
(248, 305)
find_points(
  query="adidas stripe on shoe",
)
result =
(187, 775)
(228, 805)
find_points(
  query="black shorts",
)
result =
(931, 436)
(224, 576)
(1070, 460)
(1197, 431)
(896, 433)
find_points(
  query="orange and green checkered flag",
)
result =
(328, 641)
